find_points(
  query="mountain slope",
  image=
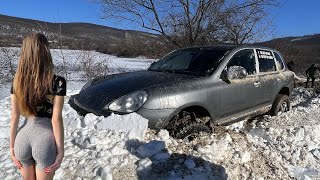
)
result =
(304, 50)
(67, 35)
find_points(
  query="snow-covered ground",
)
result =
(72, 59)
(282, 147)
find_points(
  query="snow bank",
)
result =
(282, 147)
(132, 123)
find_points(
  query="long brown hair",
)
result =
(33, 79)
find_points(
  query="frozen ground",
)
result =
(282, 147)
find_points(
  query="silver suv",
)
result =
(191, 89)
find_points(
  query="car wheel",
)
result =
(281, 104)
(191, 131)
(184, 126)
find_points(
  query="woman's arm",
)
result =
(15, 116)
(58, 131)
(57, 123)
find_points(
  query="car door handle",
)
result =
(257, 84)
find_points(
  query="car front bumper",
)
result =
(157, 118)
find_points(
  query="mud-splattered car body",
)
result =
(241, 81)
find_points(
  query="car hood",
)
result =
(104, 91)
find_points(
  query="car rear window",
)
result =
(279, 60)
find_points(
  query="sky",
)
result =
(291, 18)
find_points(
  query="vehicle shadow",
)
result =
(163, 165)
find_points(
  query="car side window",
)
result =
(279, 60)
(266, 61)
(246, 59)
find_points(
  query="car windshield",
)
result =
(193, 62)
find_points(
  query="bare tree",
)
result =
(250, 23)
(8, 62)
(191, 22)
(64, 64)
(93, 66)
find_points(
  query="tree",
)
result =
(8, 60)
(193, 22)
(249, 23)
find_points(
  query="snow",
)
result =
(116, 64)
(144, 165)
(132, 123)
(122, 147)
(151, 148)
(190, 164)
(300, 38)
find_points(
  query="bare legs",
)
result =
(41, 175)
(32, 173)
(28, 173)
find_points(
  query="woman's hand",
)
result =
(56, 165)
(14, 159)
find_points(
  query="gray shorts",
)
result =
(35, 143)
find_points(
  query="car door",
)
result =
(241, 95)
(268, 74)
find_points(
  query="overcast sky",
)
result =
(292, 18)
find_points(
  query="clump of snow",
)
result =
(239, 126)
(132, 123)
(245, 157)
(144, 165)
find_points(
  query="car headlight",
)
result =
(88, 84)
(129, 103)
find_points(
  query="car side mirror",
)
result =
(234, 72)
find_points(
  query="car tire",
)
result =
(185, 126)
(280, 104)
(189, 132)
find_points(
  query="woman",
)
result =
(37, 148)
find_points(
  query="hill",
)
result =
(304, 50)
(67, 35)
